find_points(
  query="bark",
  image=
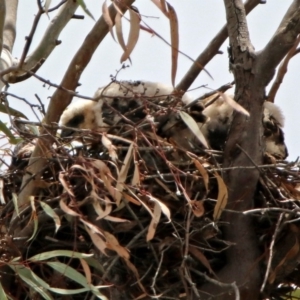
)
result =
(252, 72)
(9, 33)
(209, 52)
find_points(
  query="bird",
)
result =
(114, 100)
(134, 100)
(219, 117)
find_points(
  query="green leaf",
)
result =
(68, 272)
(11, 111)
(294, 295)
(193, 126)
(84, 7)
(45, 285)
(2, 293)
(50, 212)
(27, 276)
(55, 253)
(39, 285)
(9, 134)
(94, 263)
(76, 276)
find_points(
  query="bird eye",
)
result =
(75, 121)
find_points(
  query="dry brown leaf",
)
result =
(91, 226)
(97, 240)
(124, 227)
(110, 147)
(294, 190)
(87, 271)
(147, 29)
(222, 197)
(119, 31)
(131, 199)
(115, 219)
(162, 6)
(123, 174)
(64, 183)
(105, 175)
(203, 173)
(132, 267)
(107, 19)
(174, 40)
(136, 181)
(113, 244)
(141, 202)
(134, 32)
(99, 210)
(165, 210)
(117, 8)
(2, 199)
(201, 257)
(198, 208)
(169, 191)
(234, 104)
(291, 254)
(154, 222)
(67, 210)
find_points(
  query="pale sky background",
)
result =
(199, 21)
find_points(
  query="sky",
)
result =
(199, 21)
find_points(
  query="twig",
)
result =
(220, 284)
(271, 252)
(268, 209)
(209, 52)
(283, 68)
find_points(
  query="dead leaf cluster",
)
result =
(149, 211)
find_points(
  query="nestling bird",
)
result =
(114, 100)
(219, 117)
(127, 99)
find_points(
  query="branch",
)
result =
(241, 266)
(9, 33)
(283, 68)
(209, 52)
(2, 18)
(47, 43)
(279, 45)
(61, 99)
(8, 11)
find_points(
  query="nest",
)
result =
(150, 213)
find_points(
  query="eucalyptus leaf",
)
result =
(11, 111)
(84, 7)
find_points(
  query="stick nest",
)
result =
(149, 211)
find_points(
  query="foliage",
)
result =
(134, 213)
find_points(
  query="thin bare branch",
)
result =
(209, 52)
(9, 33)
(279, 45)
(47, 43)
(283, 68)
(2, 18)
(271, 253)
